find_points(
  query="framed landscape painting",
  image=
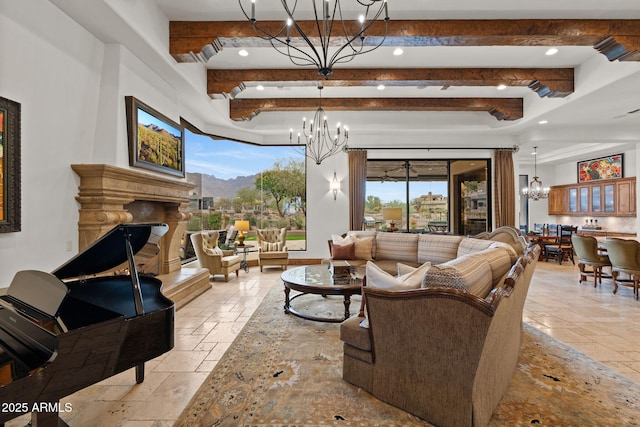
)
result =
(609, 167)
(155, 141)
(9, 166)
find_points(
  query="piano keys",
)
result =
(63, 331)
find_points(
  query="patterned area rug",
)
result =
(283, 370)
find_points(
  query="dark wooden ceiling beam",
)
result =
(191, 41)
(500, 108)
(547, 82)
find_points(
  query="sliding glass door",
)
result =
(471, 196)
(435, 196)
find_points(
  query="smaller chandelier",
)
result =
(535, 191)
(319, 142)
(329, 40)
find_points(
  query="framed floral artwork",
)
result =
(609, 167)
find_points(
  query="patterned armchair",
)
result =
(272, 247)
(212, 257)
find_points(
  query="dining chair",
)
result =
(586, 247)
(562, 247)
(625, 258)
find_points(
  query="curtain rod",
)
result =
(514, 149)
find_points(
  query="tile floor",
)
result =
(602, 325)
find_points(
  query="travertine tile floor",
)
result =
(604, 326)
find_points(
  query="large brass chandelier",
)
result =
(320, 143)
(331, 39)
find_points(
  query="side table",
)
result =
(246, 248)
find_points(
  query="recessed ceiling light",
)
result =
(551, 51)
(260, 87)
(243, 52)
(543, 122)
(398, 51)
(502, 87)
(380, 87)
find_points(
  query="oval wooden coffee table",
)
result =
(317, 280)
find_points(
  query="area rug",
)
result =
(285, 371)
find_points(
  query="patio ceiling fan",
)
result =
(386, 177)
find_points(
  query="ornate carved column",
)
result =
(104, 193)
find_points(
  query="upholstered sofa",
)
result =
(453, 255)
(443, 353)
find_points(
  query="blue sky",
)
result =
(229, 159)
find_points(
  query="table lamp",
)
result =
(392, 215)
(241, 226)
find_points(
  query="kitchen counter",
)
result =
(605, 233)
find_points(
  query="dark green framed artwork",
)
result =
(9, 166)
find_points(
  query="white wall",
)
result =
(71, 87)
(53, 68)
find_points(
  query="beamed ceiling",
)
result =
(201, 41)
(443, 88)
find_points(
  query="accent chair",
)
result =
(272, 247)
(210, 256)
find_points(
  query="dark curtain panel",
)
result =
(357, 188)
(505, 189)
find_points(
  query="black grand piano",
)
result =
(63, 331)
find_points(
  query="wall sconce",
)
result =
(334, 185)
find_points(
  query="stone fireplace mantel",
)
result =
(109, 195)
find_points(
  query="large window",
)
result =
(434, 195)
(265, 185)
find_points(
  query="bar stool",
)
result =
(624, 259)
(586, 248)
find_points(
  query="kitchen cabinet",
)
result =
(615, 197)
(558, 201)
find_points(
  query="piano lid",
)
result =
(109, 251)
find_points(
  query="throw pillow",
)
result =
(470, 273)
(507, 247)
(339, 240)
(343, 251)
(380, 279)
(363, 247)
(270, 247)
(405, 269)
(213, 251)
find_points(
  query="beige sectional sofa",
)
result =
(444, 352)
(475, 264)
